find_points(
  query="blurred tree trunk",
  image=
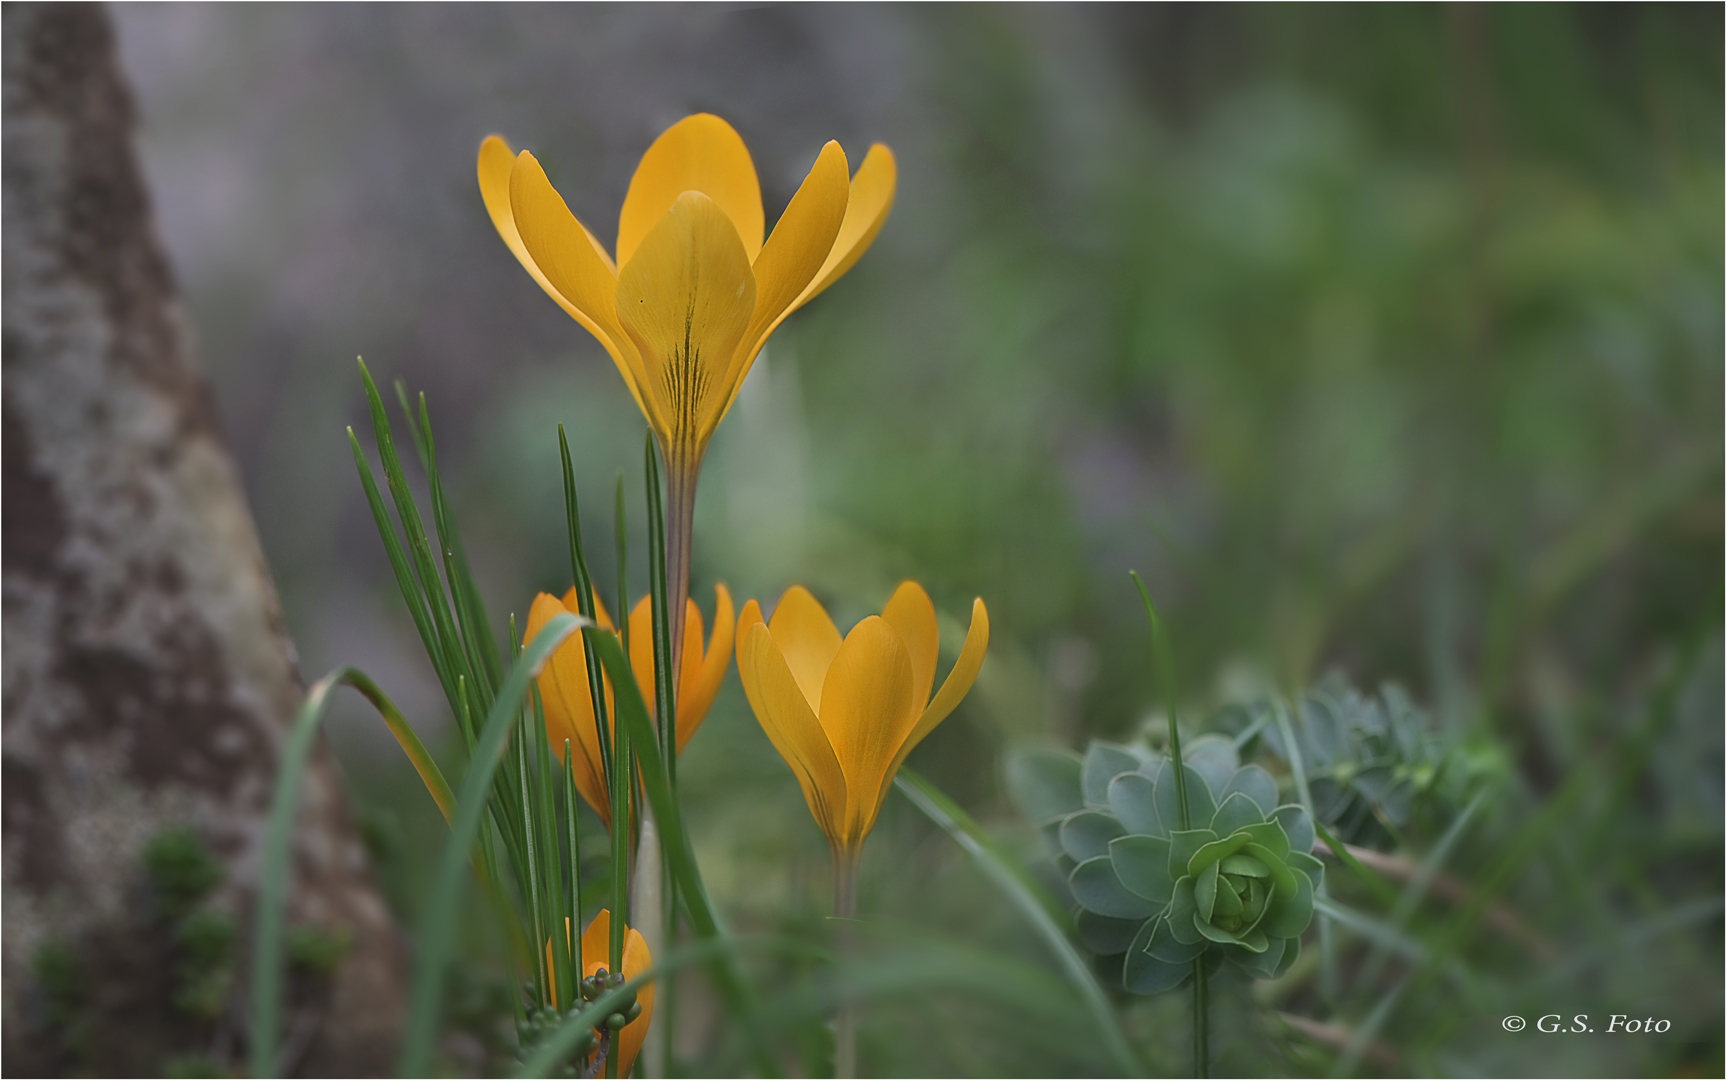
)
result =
(148, 679)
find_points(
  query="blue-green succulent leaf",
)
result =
(1183, 846)
(1288, 917)
(1215, 759)
(1142, 864)
(1215, 932)
(1308, 865)
(1183, 914)
(1201, 806)
(1255, 784)
(1146, 973)
(1097, 888)
(1217, 851)
(1296, 825)
(1205, 891)
(1086, 834)
(1133, 798)
(1271, 836)
(1167, 948)
(1045, 784)
(1284, 878)
(1103, 935)
(1291, 953)
(1260, 964)
(1236, 812)
(1245, 865)
(1254, 940)
(1103, 762)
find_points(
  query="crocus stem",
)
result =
(845, 912)
(1201, 1020)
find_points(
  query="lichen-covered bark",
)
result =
(148, 681)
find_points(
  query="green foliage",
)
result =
(317, 950)
(180, 869)
(1237, 886)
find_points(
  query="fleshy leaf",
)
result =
(1283, 878)
(1237, 812)
(1045, 784)
(1245, 865)
(1183, 846)
(1103, 762)
(1296, 825)
(1205, 892)
(1214, 932)
(1215, 852)
(1142, 864)
(1263, 964)
(1255, 940)
(1097, 888)
(1133, 798)
(1308, 865)
(1214, 758)
(1146, 973)
(1255, 784)
(1103, 935)
(1086, 835)
(1271, 836)
(1165, 947)
(1201, 806)
(1183, 914)
(1289, 917)
(1291, 953)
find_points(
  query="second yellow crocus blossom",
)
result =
(564, 691)
(844, 713)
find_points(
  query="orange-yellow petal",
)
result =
(496, 160)
(700, 685)
(572, 262)
(685, 299)
(568, 704)
(807, 638)
(910, 612)
(871, 199)
(596, 954)
(790, 723)
(867, 711)
(958, 682)
(796, 251)
(698, 153)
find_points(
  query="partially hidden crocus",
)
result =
(696, 286)
(568, 702)
(844, 713)
(596, 957)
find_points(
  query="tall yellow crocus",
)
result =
(563, 685)
(697, 286)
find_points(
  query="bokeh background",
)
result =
(1385, 341)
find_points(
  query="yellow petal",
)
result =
(685, 300)
(698, 153)
(871, 198)
(910, 612)
(807, 638)
(701, 684)
(958, 682)
(796, 251)
(495, 162)
(596, 954)
(791, 725)
(572, 263)
(867, 711)
(568, 703)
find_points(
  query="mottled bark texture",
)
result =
(148, 680)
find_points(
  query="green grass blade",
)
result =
(276, 865)
(1415, 891)
(632, 712)
(1328, 975)
(664, 667)
(439, 925)
(584, 602)
(1031, 901)
(1163, 664)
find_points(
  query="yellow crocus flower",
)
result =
(563, 686)
(696, 287)
(845, 713)
(595, 957)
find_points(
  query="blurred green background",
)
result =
(1383, 340)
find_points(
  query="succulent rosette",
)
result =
(1234, 885)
